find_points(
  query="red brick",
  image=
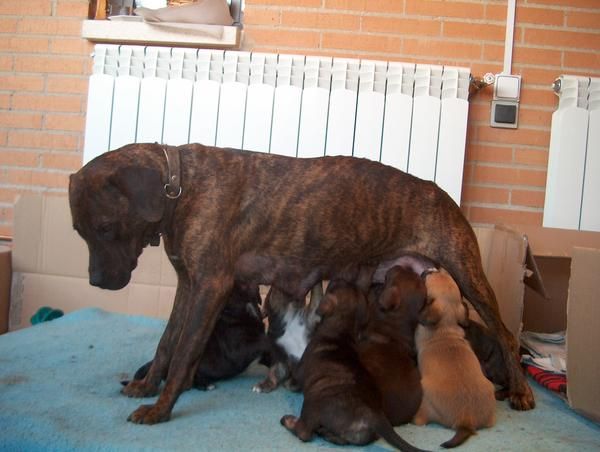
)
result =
(257, 16)
(361, 42)
(490, 195)
(484, 215)
(26, 8)
(66, 161)
(53, 26)
(442, 8)
(19, 158)
(562, 39)
(19, 82)
(39, 102)
(24, 44)
(42, 140)
(583, 60)
(443, 48)
(401, 26)
(17, 119)
(68, 122)
(57, 65)
(50, 179)
(539, 16)
(527, 198)
(67, 84)
(322, 21)
(72, 9)
(8, 25)
(477, 31)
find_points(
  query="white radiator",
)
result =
(573, 180)
(412, 117)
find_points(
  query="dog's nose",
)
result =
(96, 278)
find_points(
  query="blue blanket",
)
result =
(59, 390)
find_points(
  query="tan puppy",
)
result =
(455, 391)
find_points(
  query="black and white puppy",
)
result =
(290, 326)
(237, 340)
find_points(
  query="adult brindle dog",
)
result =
(262, 218)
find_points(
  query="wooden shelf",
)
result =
(163, 33)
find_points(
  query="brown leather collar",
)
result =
(173, 185)
(172, 188)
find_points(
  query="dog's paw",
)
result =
(288, 421)
(149, 414)
(139, 389)
(522, 400)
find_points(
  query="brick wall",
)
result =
(44, 66)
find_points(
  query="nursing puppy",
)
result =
(238, 339)
(341, 400)
(455, 391)
(387, 349)
(290, 326)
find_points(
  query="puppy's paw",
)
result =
(265, 386)
(149, 414)
(139, 389)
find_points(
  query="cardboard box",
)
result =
(560, 295)
(5, 277)
(50, 268)
(50, 264)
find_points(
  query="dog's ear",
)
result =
(431, 313)
(144, 189)
(464, 318)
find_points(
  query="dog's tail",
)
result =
(384, 429)
(462, 434)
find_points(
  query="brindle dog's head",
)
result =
(116, 208)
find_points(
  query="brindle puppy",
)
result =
(387, 348)
(341, 400)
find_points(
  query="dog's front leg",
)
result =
(202, 308)
(149, 385)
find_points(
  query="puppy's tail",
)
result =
(384, 429)
(462, 434)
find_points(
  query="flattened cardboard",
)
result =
(503, 254)
(5, 277)
(583, 333)
(50, 263)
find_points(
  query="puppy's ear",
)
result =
(327, 305)
(463, 319)
(144, 189)
(431, 313)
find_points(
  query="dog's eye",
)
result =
(106, 231)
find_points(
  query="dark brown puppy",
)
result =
(260, 218)
(238, 339)
(341, 400)
(387, 348)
